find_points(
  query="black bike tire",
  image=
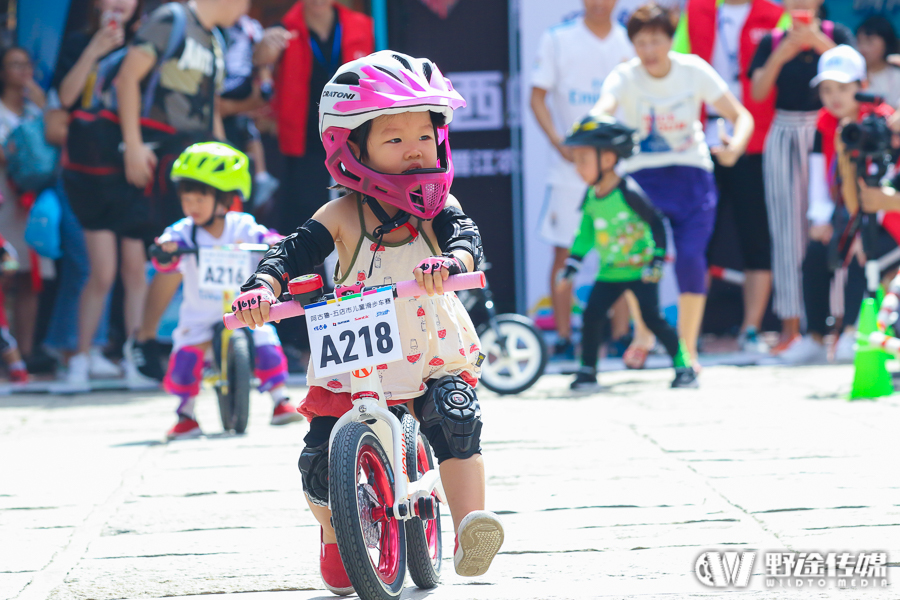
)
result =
(528, 325)
(425, 573)
(240, 372)
(342, 484)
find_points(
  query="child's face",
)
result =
(399, 143)
(586, 164)
(231, 11)
(838, 98)
(198, 206)
(871, 47)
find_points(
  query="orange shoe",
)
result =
(334, 576)
(284, 413)
(785, 344)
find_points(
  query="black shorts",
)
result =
(240, 130)
(109, 202)
(741, 187)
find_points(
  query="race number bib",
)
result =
(222, 270)
(359, 331)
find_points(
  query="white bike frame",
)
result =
(369, 403)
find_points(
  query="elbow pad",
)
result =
(297, 254)
(455, 231)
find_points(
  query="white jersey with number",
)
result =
(201, 309)
(436, 333)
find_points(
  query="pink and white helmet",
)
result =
(388, 83)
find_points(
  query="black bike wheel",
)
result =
(523, 361)
(361, 485)
(240, 371)
(423, 537)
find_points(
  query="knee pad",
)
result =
(451, 418)
(313, 466)
(270, 367)
(184, 372)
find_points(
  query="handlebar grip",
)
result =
(454, 283)
(277, 311)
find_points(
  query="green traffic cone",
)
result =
(871, 378)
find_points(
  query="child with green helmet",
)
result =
(211, 178)
(620, 223)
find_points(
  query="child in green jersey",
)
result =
(618, 221)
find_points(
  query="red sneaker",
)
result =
(184, 428)
(334, 576)
(284, 413)
(18, 376)
(477, 543)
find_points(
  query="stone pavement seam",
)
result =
(54, 572)
(709, 484)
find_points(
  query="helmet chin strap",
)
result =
(388, 224)
(214, 216)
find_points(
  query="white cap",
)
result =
(842, 64)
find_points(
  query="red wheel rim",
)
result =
(374, 482)
(431, 526)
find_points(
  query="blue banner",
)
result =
(852, 12)
(40, 28)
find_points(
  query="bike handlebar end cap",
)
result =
(305, 284)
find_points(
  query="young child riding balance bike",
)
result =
(383, 120)
(209, 175)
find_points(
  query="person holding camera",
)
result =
(833, 204)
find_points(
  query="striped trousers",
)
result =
(786, 174)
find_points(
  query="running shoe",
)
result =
(477, 543)
(285, 413)
(585, 378)
(185, 428)
(78, 376)
(845, 349)
(563, 350)
(805, 351)
(18, 375)
(101, 367)
(334, 576)
(134, 379)
(750, 343)
(784, 345)
(685, 377)
(146, 356)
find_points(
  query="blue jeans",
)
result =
(73, 269)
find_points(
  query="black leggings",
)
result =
(603, 296)
(817, 284)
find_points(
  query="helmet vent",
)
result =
(383, 70)
(219, 167)
(347, 78)
(202, 161)
(426, 69)
(402, 61)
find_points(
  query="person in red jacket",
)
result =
(314, 38)
(737, 26)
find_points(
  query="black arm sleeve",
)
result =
(763, 51)
(297, 254)
(638, 201)
(455, 231)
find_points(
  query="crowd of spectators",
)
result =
(723, 95)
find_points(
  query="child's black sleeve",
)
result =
(638, 201)
(297, 254)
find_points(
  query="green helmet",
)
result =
(217, 165)
(604, 133)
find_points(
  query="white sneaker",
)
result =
(78, 376)
(845, 349)
(750, 343)
(805, 351)
(101, 367)
(135, 380)
(477, 543)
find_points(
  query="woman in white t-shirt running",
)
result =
(661, 94)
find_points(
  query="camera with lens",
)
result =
(869, 143)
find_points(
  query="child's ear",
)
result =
(355, 147)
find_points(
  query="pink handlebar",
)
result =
(405, 289)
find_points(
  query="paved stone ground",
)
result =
(610, 495)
